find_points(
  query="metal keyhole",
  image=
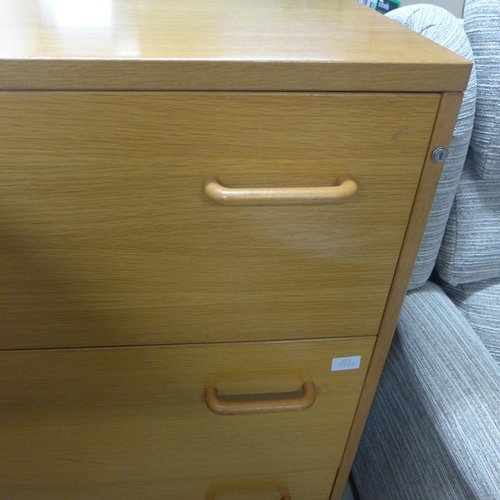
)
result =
(440, 154)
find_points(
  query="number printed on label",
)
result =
(349, 363)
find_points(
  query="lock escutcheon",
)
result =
(440, 154)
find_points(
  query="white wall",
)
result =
(456, 7)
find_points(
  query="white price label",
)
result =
(350, 363)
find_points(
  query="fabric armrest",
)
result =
(434, 429)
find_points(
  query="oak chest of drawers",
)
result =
(209, 212)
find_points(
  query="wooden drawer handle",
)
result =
(264, 406)
(344, 190)
(210, 497)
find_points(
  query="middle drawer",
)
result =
(129, 423)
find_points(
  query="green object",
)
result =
(385, 6)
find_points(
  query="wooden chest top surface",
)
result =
(322, 45)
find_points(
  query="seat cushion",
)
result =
(434, 429)
(443, 28)
(480, 304)
(471, 245)
(481, 22)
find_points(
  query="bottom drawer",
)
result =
(130, 423)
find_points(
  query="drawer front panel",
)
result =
(122, 423)
(108, 239)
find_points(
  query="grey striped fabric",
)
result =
(480, 304)
(482, 25)
(434, 429)
(440, 26)
(470, 250)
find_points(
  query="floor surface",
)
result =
(348, 494)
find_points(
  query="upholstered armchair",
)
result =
(434, 429)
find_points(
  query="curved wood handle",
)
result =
(213, 496)
(264, 406)
(345, 190)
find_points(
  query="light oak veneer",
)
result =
(108, 238)
(129, 423)
(334, 45)
(167, 336)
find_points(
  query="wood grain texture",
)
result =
(443, 132)
(322, 45)
(129, 423)
(108, 239)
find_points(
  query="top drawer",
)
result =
(107, 237)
